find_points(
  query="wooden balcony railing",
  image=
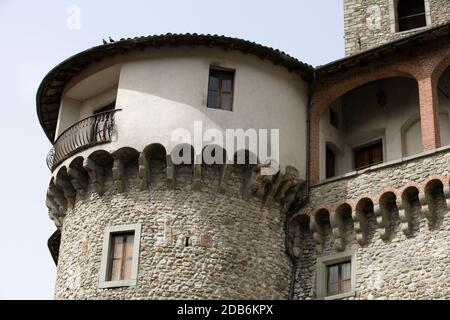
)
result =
(93, 130)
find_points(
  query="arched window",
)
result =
(411, 14)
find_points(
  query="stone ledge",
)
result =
(384, 165)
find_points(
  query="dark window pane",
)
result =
(346, 286)
(227, 86)
(213, 83)
(212, 99)
(220, 89)
(333, 280)
(339, 278)
(411, 14)
(226, 101)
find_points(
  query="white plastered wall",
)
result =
(166, 89)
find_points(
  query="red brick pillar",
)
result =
(314, 148)
(429, 119)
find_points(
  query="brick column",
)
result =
(314, 148)
(429, 119)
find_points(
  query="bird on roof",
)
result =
(110, 39)
(104, 41)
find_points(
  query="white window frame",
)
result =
(107, 251)
(321, 267)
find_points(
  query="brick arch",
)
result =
(339, 204)
(442, 62)
(363, 200)
(315, 211)
(385, 192)
(410, 185)
(432, 179)
(323, 98)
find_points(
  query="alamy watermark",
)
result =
(238, 146)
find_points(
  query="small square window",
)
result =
(120, 256)
(336, 275)
(220, 89)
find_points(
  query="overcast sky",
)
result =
(35, 38)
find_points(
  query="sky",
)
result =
(37, 35)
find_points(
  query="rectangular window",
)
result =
(120, 257)
(119, 266)
(368, 155)
(336, 275)
(411, 14)
(339, 278)
(220, 89)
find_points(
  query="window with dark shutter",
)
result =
(220, 89)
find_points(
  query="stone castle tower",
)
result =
(357, 208)
(370, 23)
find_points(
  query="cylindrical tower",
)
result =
(144, 215)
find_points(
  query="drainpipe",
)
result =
(291, 211)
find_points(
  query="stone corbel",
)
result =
(79, 180)
(144, 172)
(249, 182)
(295, 244)
(57, 196)
(96, 174)
(338, 229)
(426, 210)
(224, 176)
(53, 212)
(447, 196)
(360, 226)
(197, 178)
(316, 229)
(291, 195)
(68, 190)
(262, 185)
(382, 217)
(290, 179)
(273, 191)
(170, 172)
(119, 175)
(405, 214)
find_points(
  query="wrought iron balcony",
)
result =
(93, 130)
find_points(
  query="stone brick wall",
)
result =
(364, 30)
(237, 251)
(404, 265)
